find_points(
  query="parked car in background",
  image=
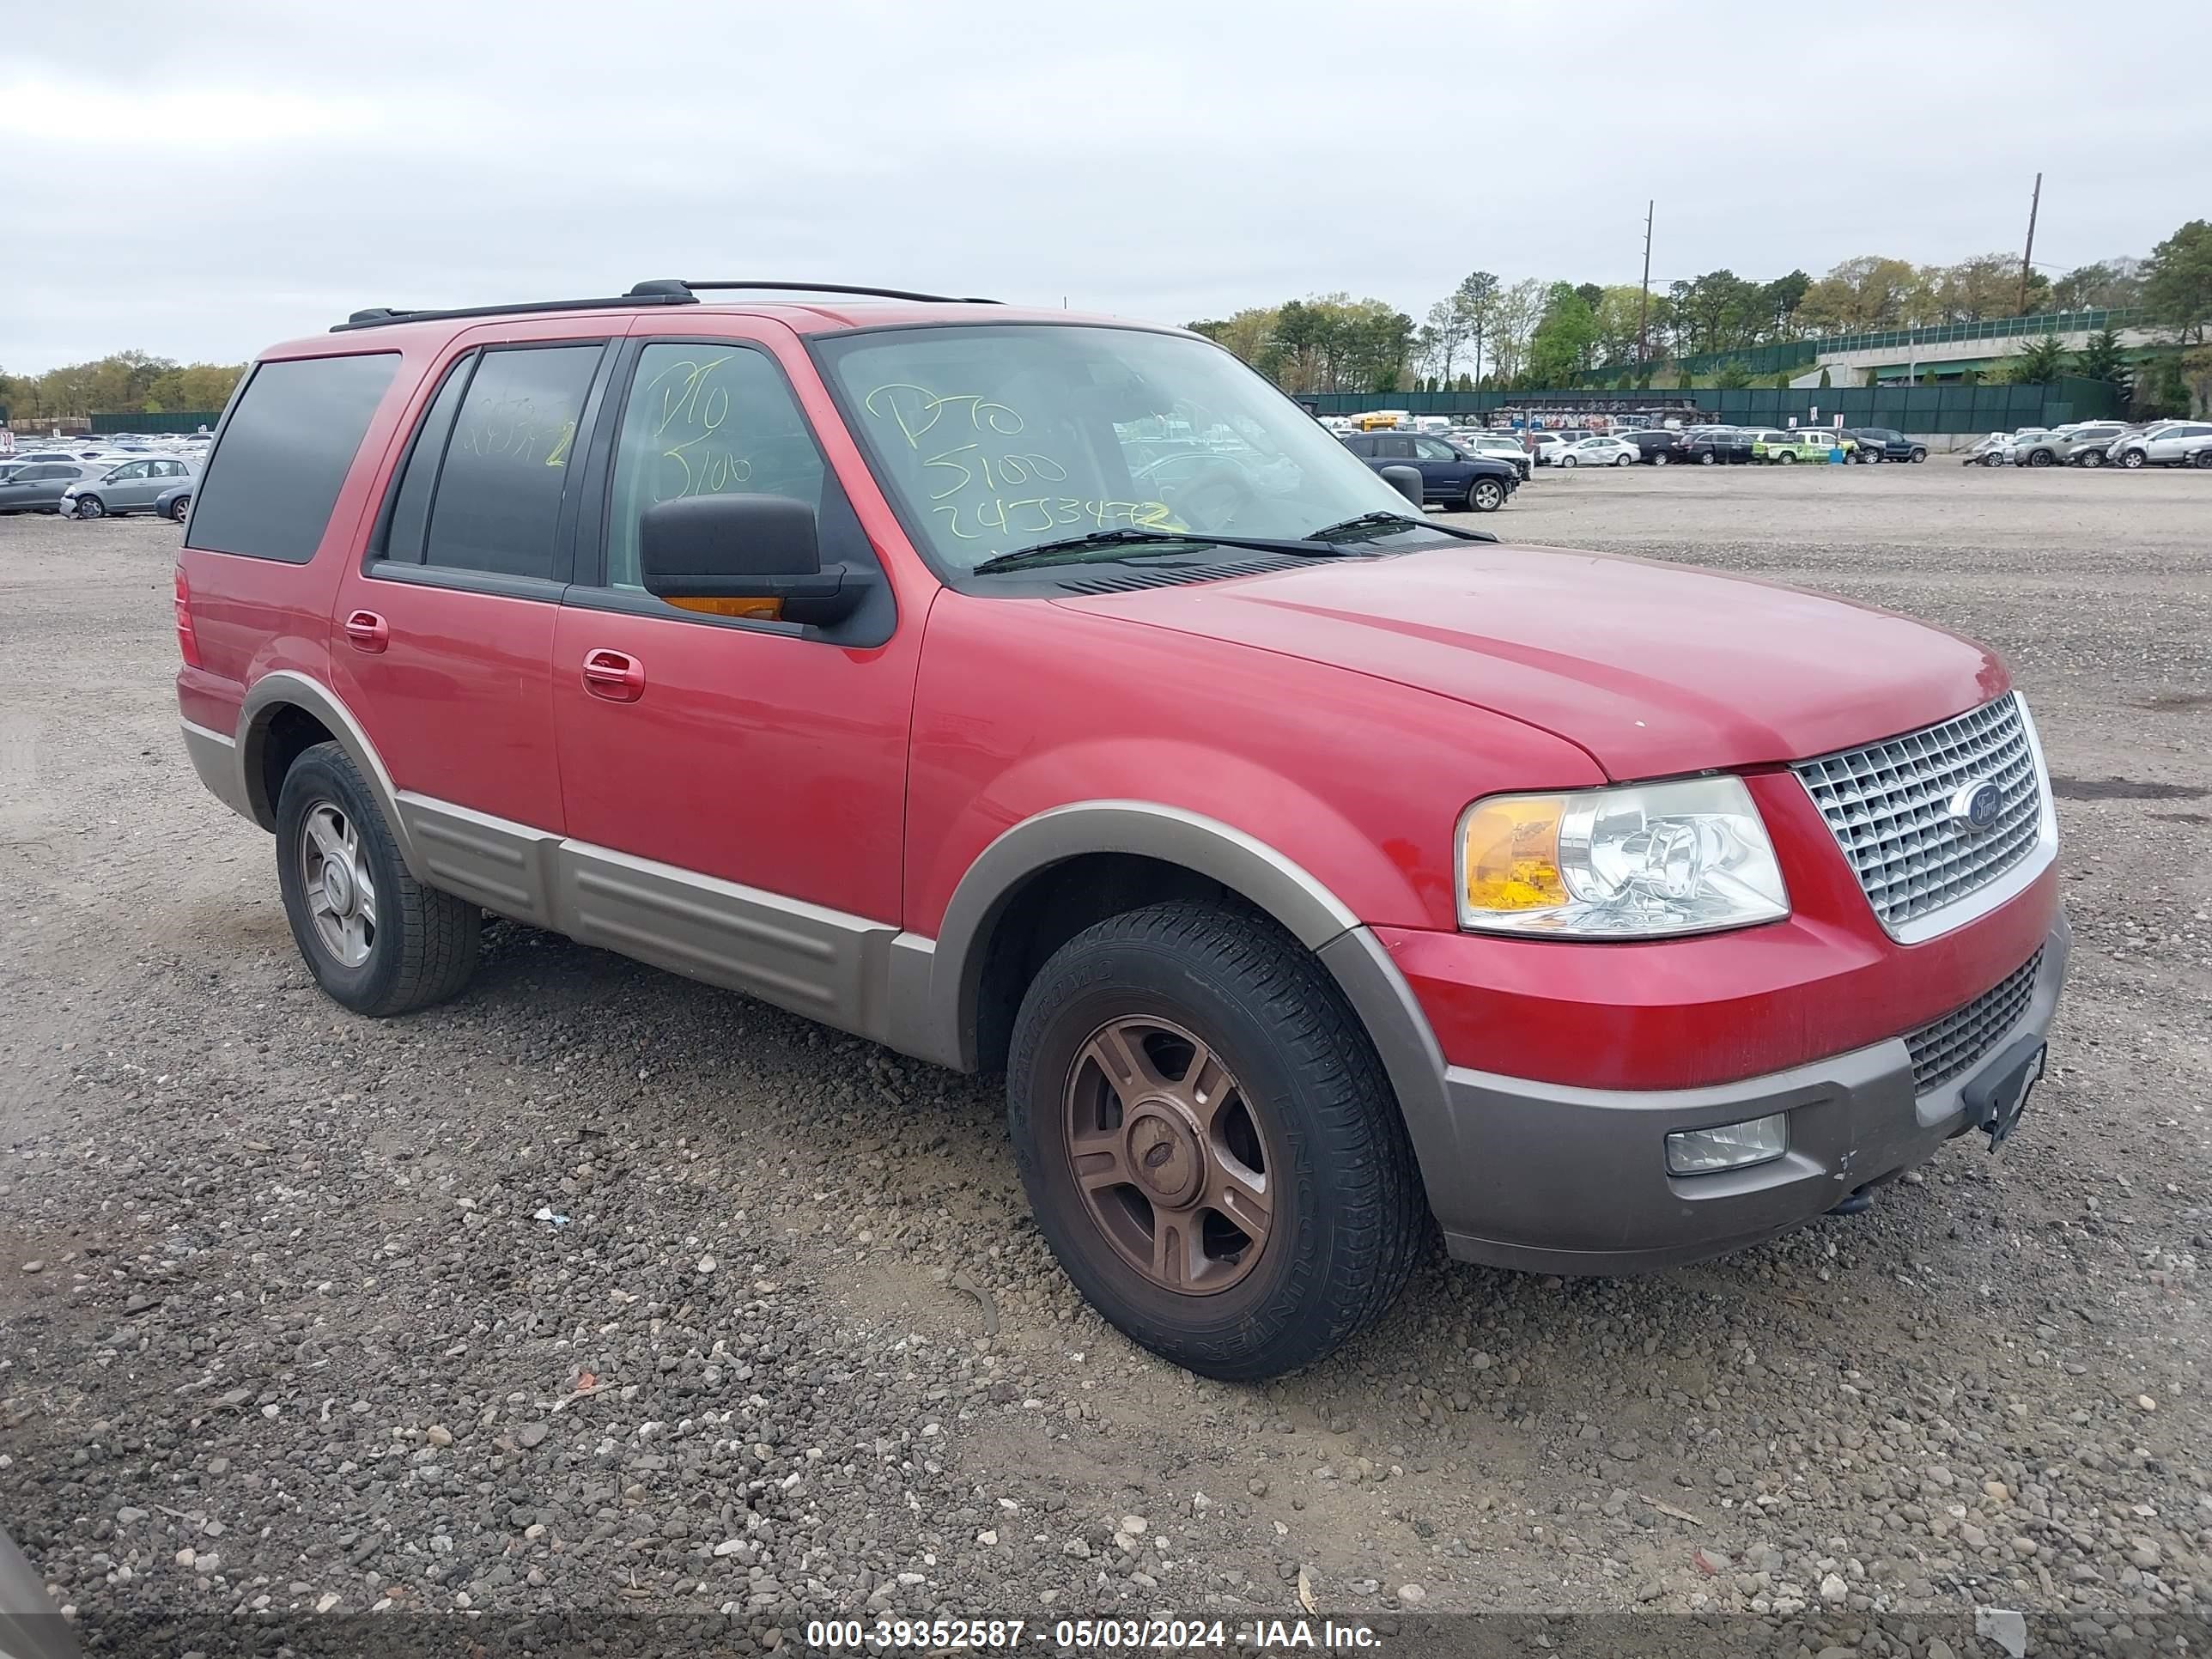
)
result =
(175, 503)
(1500, 446)
(2066, 444)
(1990, 452)
(1545, 446)
(1717, 445)
(1882, 443)
(38, 487)
(1655, 446)
(130, 488)
(1597, 452)
(1795, 445)
(1449, 475)
(2169, 443)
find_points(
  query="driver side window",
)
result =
(705, 419)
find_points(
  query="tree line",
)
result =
(125, 383)
(1490, 334)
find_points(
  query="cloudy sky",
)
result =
(199, 180)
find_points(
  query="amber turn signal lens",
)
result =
(1512, 856)
(752, 610)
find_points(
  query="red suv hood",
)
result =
(1653, 668)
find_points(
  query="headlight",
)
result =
(1636, 862)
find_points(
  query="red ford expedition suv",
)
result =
(1052, 697)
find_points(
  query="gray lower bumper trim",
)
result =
(214, 758)
(1563, 1180)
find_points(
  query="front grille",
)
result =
(1888, 805)
(1944, 1047)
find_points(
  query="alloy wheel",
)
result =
(334, 874)
(1170, 1160)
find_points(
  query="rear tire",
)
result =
(1658, 458)
(1296, 1107)
(1707, 457)
(1788, 457)
(180, 509)
(409, 945)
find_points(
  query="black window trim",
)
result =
(588, 589)
(500, 584)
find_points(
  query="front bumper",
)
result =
(1559, 1179)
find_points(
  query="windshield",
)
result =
(993, 439)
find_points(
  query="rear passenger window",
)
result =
(498, 494)
(705, 420)
(284, 452)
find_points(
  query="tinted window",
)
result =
(410, 510)
(284, 453)
(1435, 449)
(706, 419)
(498, 500)
(1395, 449)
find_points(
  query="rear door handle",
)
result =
(367, 630)
(614, 675)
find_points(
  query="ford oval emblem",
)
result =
(1976, 805)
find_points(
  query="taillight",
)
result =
(187, 641)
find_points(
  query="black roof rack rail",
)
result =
(678, 285)
(384, 316)
(657, 291)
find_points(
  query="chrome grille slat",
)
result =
(1889, 806)
(1942, 1049)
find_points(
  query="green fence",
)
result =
(1923, 409)
(184, 420)
(1772, 359)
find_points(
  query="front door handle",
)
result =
(367, 630)
(615, 675)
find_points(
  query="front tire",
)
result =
(1564, 460)
(90, 508)
(2093, 458)
(1209, 1142)
(1485, 495)
(1919, 455)
(376, 940)
(2038, 458)
(2203, 460)
(2134, 460)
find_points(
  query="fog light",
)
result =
(1728, 1146)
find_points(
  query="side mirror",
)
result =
(1406, 480)
(744, 555)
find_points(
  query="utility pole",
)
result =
(2028, 253)
(1644, 305)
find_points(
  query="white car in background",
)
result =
(1546, 447)
(1598, 451)
(2166, 443)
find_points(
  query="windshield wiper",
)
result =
(1388, 521)
(1073, 549)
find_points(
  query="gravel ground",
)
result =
(599, 1289)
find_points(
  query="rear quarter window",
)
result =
(284, 452)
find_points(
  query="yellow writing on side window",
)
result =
(688, 414)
